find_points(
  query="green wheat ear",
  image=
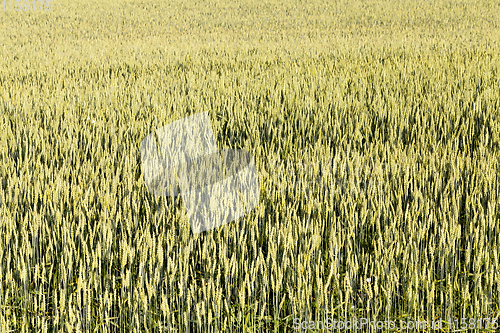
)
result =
(382, 94)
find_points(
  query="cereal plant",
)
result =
(375, 130)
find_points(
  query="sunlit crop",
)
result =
(375, 130)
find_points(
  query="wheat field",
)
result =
(375, 130)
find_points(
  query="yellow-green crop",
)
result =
(385, 114)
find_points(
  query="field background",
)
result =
(383, 115)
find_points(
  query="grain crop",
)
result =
(375, 130)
